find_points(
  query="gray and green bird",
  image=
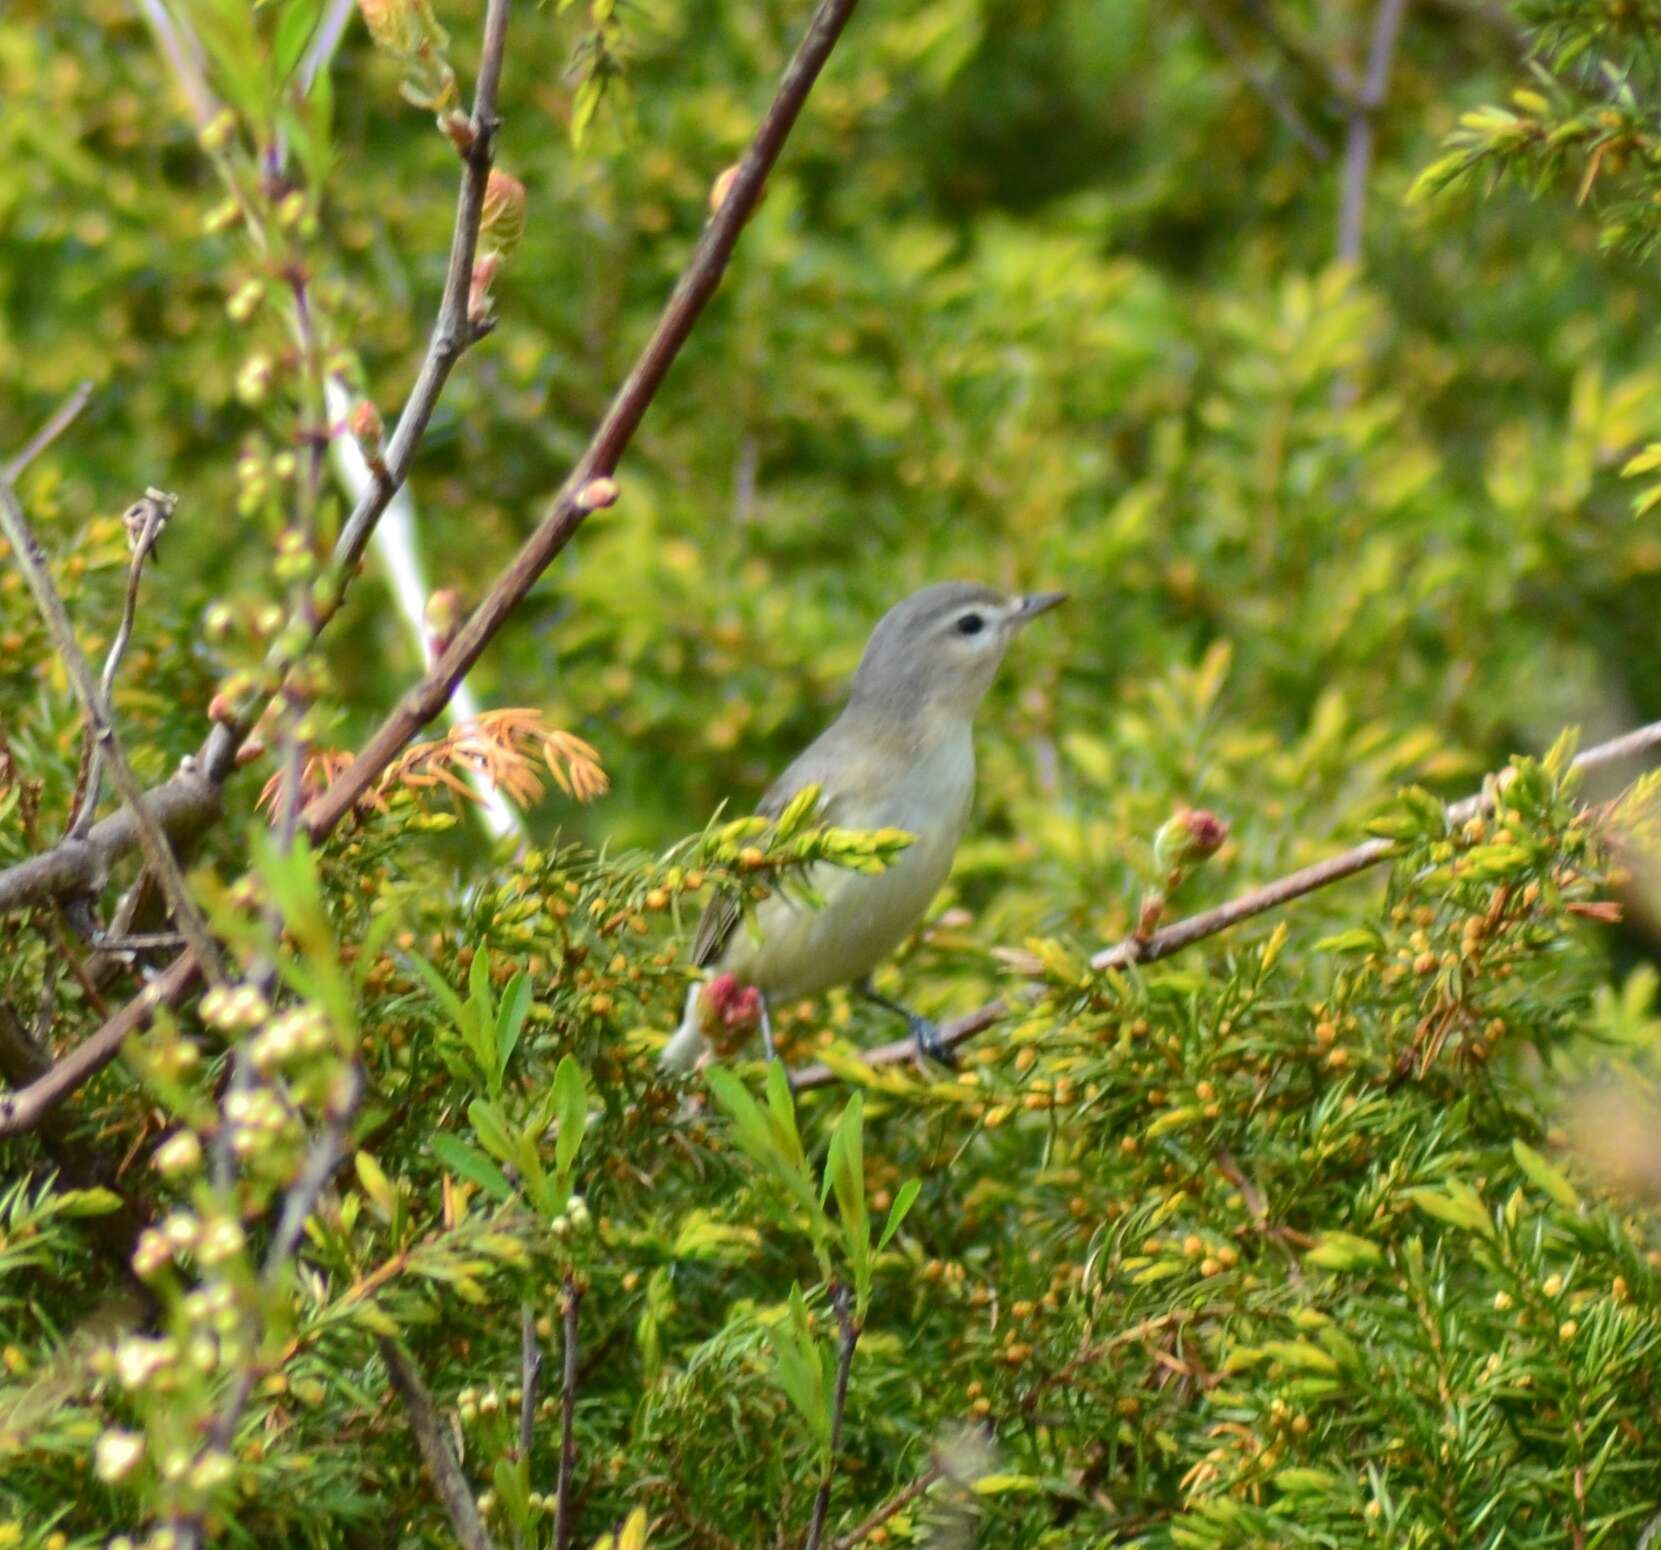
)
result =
(900, 756)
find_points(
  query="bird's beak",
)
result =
(1035, 603)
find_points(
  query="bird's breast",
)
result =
(796, 950)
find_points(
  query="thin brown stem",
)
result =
(847, 1327)
(579, 496)
(62, 418)
(569, 1303)
(24, 1110)
(157, 851)
(145, 518)
(1184, 933)
(897, 1503)
(452, 334)
(435, 1446)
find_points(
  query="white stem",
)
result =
(395, 542)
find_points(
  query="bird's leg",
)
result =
(767, 1029)
(925, 1034)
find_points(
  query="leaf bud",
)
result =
(1188, 837)
(502, 220)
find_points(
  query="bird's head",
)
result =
(937, 652)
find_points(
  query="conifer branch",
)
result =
(1184, 933)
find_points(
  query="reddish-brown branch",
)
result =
(23, 1110)
(576, 499)
(1184, 933)
(697, 284)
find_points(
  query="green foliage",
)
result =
(1280, 1241)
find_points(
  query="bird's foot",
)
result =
(925, 1034)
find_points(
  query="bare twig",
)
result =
(563, 1525)
(452, 334)
(579, 496)
(24, 1110)
(299, 1201)
(1359, 136)
(145, 520)
(848, 1337)
(63, 417)
(1184, 933)
(157, 850)
(1278, 103)
(530, 1369)
(182, 807)
(896, 1503)
(435, 1446)
(79, 1163)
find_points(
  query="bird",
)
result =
(900, 756)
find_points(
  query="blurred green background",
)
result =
(1043, 293)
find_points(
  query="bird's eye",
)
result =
(970, 624)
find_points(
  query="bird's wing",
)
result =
(721, 915)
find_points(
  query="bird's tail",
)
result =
(687, 1043)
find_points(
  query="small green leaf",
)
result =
(512, 1482)
(442, 993)
(293, 33)
(375, 1184)
(1301, 1354)
(1003, 1484)
(1543, 1174)
(460, 1158)
(571, 1110)
(510, 1018)
(903, 1203)
(87, 1202)
(491, 1127)
(1344, 1251)
(1459, 1206)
